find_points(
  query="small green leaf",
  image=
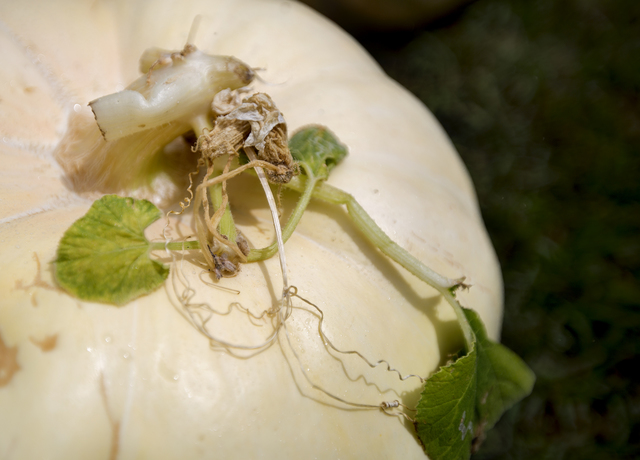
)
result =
(445, 413)
(467, 397)
(104, 256)
(503, 378)
(317, 148)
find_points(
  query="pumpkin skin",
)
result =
(88, 380)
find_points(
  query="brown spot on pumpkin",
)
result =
(418, 237)
(46, 344)
(20, 286)
(37, 282)
(8, 362)
(29, 89)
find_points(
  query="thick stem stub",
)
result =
(177, 86)
(127, 148)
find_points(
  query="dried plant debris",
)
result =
(227, 100)
(256, 122)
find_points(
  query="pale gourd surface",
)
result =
(90, 380)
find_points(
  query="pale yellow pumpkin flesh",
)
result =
(85, 380)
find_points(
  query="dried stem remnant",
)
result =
(258, 123)
(255, 123)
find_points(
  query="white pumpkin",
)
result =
(86, 380)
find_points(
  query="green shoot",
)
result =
(226, 227)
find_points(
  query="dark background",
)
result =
(541, 99)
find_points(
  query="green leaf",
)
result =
(445, 412)
(466, 398)
(503, 378)
(104, 256)
(317, 148)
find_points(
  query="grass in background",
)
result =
(542, 100)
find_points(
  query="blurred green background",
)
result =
(541, 99)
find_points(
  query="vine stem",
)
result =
(226, 226)
(327, 193)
